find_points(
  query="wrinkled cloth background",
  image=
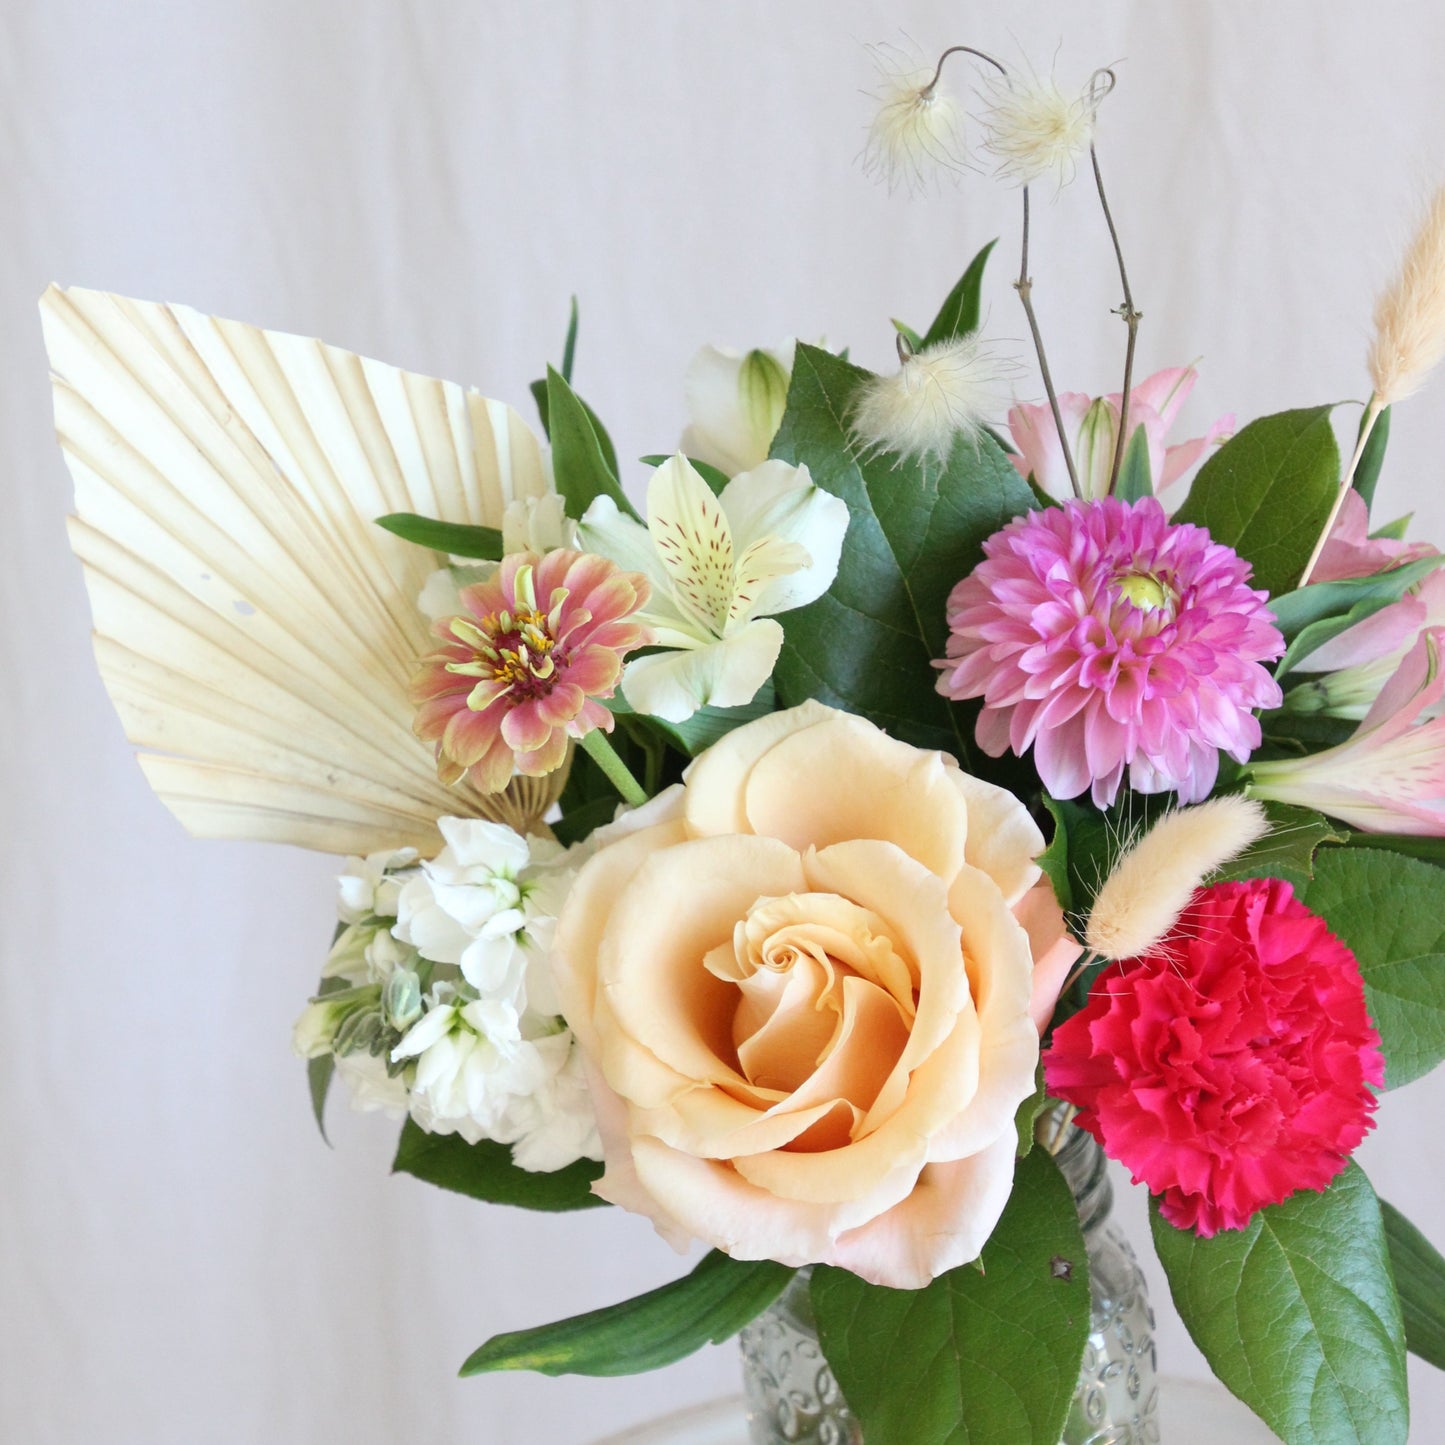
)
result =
(181, 1259)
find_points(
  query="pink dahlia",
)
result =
(1232, 1064)
(1106, 638)
(522, 669)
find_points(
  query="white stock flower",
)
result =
(560, 1124)
(485, 903)
(735, 401)
(537, 524)
(472, 1066)
(367, 886)
(917, 129)
(371, 1088)
(720, 568)
(937, 395)
(1034, 130)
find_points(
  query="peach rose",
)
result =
(803, 981)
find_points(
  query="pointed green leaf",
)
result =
(1420, 1279)
(569, 344)
(485, 1171)
(1295, 611)
(583, 470)
(980, 1356)
(958, 316)
(1028, 1112)
(1297, 1314)
(455, 538)
(1288, 850)
(1367, 473)
(1390, 910)
(319, 1072)
(1135, 479)
(908, 334)
(1411, 845)
(1393, 531)
(1267, 492)
(916, 529)
(708, 1306)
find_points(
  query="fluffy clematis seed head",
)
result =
(1037, 131)
(917, 130)
(522, 668)
(1110, 641)
(1230, 1066)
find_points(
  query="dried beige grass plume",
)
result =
(1141, 900)
(1410, 314)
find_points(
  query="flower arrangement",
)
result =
(768, 858)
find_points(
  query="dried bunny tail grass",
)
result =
(945, 391)
(1410, 314)
(1141, 900)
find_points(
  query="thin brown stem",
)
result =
(1367, 425)
(1024, 286)
(1127, 311)
(959, 50)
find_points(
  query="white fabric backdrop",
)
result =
(180, 1258)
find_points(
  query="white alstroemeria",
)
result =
(486, 903)
(369, 886)
(735, 401)
(720, 568)
(472, 1068)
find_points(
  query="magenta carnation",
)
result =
(1106, 638)
(521, 670)
(1232, 1064)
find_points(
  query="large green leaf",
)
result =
(1267, 493)
(708, 1306)
(583, 468)
(1288, 850)
(485, 1171)
(981, 1355)
(958, 316)
(1420, 1279)
(916, 529)
(1297, 1314)
(456, 538)
(1391, 911)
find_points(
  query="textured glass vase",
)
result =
(793, 1397)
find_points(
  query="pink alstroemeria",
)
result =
(1352, 552)
(1093, 427)
(1354, 666)
(1390, 776)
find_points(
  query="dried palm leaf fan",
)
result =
(254, 628)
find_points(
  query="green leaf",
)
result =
(1367, 473)
(1294, 611)
(915, 531)
(1390, 910)
(484, 543)
(715, 479)
(1297, 1315)
(319, 1072)
(708, 724)
(1054, 860)
(1028, 1112)
(1420, 1279)
(581, 821)
(708, 1306)
(1394, 531)
(1135, 479)
(958, 316)
(569, 345)
(1288, 849)
(584, 470)
(979, 1356)
(1267, 493)
(1412, 845)
(908, 334)
(485, 1171)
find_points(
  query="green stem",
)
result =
(605, 756)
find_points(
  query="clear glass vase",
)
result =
(793, 1398)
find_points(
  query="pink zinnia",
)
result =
(1106, 638)
(1232, 1064)
(522, 670)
